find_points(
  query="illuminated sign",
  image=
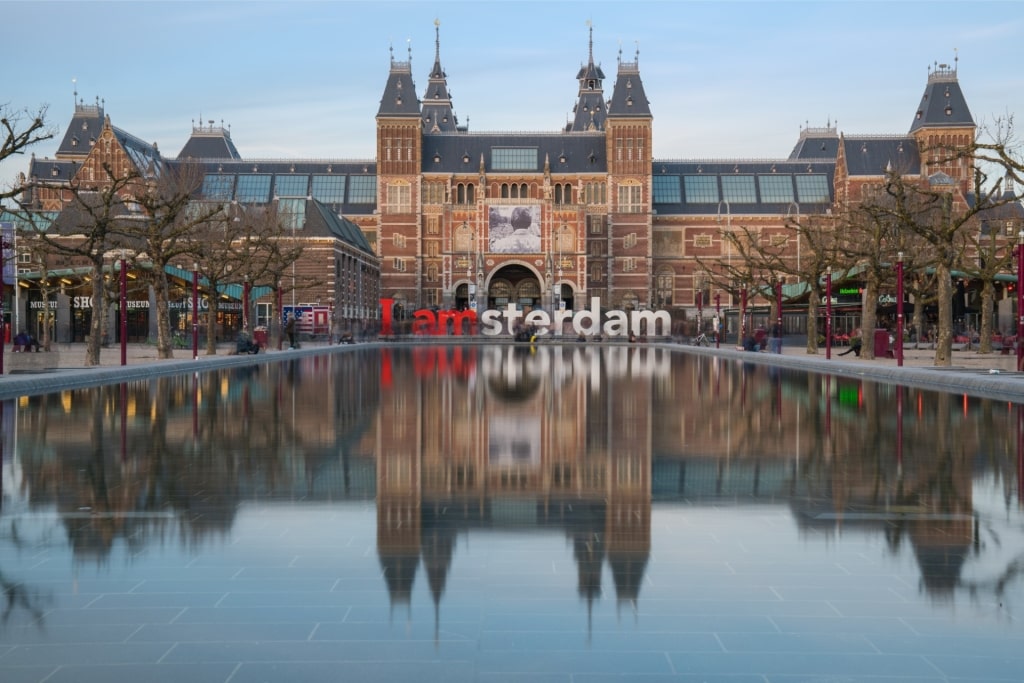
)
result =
(493, 322)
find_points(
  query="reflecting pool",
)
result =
(494, 513)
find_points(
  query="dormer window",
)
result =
(919, 114)
(85, 125)
(74, 141)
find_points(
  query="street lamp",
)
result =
(899, 309)
(718, 320)
(245, 304)
(778, 321)
(743, 313)
(828, 313)
(124, 310)
(3, 290)
(195, 311)
(1020, 298)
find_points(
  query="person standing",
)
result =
(289, 329)
(776, 337)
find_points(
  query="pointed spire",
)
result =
(437, 41)
(438, 115)
(589, 111)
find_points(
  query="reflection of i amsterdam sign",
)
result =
(493, 322)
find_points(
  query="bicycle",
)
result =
(700, 340)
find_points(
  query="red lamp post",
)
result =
(3, 290)
(743, 314)
(124, 310)
(245, 304)
(195, 311)
(1020, 298)
(828, 313)
(778, 305)
(280, 315)
(899, 310)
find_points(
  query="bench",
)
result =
(27, 361)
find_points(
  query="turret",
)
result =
(438, 116)
(590, 111)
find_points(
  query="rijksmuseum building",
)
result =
(444, 217)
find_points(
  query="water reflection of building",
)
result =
(510, 438)
(176, 456)
(606, 430)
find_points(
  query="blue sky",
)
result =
(303, 79)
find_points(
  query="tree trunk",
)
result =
(47, 316)
(944, 340)
(99, 315)
(869, 318)
(812, 321)
(988, 292)
(211, 323)
(164, 339)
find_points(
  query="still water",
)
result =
(567, 514)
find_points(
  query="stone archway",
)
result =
(514, 283)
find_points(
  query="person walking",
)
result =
(854, 346)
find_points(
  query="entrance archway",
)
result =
(514, 283)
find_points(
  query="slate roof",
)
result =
(209, 142)
(873, 155)
(628, 96)
(943, 103)
(816, 143)
(82, 132)
(399, 97)
(320, 217)
(460, 153)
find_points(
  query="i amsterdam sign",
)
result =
(493, 322)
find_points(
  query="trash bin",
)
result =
(259, 335)
(882, 344)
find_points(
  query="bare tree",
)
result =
(166, 230)
(19, 130)
(935, 210)
(873, 244)
(95, 225)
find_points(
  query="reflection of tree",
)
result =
(170, 472)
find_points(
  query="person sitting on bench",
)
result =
(26, 342)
